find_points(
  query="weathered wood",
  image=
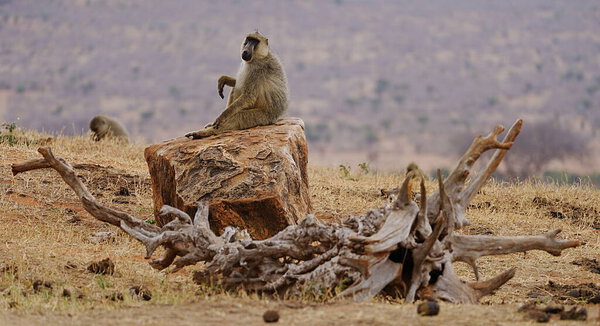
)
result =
(402, 249)
(254, 179)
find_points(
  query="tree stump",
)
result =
(255, 179)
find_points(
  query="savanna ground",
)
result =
(46, 238)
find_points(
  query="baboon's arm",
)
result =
(225, 80)
(242, 102)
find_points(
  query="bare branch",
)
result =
(468, 248)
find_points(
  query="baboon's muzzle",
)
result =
(248, 49)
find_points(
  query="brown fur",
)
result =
(105, 127)
(260, 92)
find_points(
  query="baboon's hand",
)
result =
(221, 85)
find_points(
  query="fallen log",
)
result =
(404, 249)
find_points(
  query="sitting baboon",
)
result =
(260, 92)
(105, 127)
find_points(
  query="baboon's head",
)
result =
(255, 46)
(98, 124)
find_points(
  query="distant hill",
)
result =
(397, 77)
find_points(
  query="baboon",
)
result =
(105, 127)
(412, 172)
(259, 94)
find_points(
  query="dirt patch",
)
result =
(24, 200)
(226, 311)
(569, 294)
(577, 214)
(591, 265)
(107, 178)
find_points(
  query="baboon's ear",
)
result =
(267, 41)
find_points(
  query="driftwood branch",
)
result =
(403, 249)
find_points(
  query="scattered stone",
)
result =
(117, 296)
(574, 314)
(590, 264)
(554, 309)
(429, 308)
(140, 292)
(123, 191)
(103, 236)
(539, 316)
(105, 267)
(271, 316)
(527, 306)
(38, 285)
(572, 294)
(66, 293)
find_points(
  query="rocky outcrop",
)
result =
(254, 179)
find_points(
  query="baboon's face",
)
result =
(255, 46)
(97, 124)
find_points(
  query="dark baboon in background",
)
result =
(105, 127)
(260, 92)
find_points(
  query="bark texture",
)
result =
(254, 179)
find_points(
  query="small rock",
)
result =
(575, 293)
(429, 308)
(574, 314)
(527, 306)
(539, 316)
(556, 309)
(66, 293)
(271, 316)
(140, 293)
(105, 267)
(123, 192)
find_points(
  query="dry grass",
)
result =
(39, 236)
